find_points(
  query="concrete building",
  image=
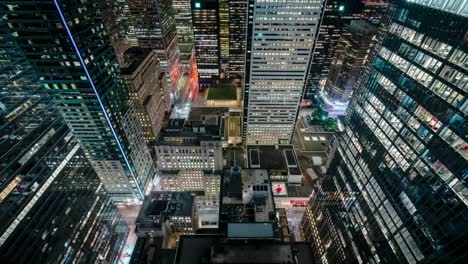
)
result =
(206, 185)
(289, 189)
(147, 88)
(280, 39)
(194, 143)
(280, 161)
(164, 214)
(155, 27)
(317, 141)
(247, 198)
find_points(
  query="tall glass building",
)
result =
(53, 206)
(70, 52)
(205, 19)
(401, 167)
(183, 19)
(237, 38)
(224, 35)
(280, 38)
(335, 13)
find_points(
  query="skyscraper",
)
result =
(335, 14)
(147, 89)
(117, 25)
(237, 38)
(206, 37)
(155, 27)
(183, 20)
(280, 38)
(53, 206)
(69, 51)
(224, 32)
(402, 159)
(351, 58)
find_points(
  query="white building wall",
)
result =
(206, 156)
(283, 34)
(194, 180)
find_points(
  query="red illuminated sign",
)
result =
(298, 203)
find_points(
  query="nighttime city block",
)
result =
(233, 131)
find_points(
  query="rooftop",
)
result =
(134, 56)
(223, 91)
(218, 249)
(273, 158)
(303, 190)
(201, 113)
(249, 188)
(250, 230)
(149, 250)
(185, 48)
(159, 206)
(233, 126)
(202, 124)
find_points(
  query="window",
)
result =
(457, 78)
(437, 47)
(419, 75)
(459, 58)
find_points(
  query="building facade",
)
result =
(118, 26)
(280, 39)
(237, 38)
(77, 68)
(148, 92)
(196, 152)
(154, 25)
(198, 181)
(194, 143)
(52, 203)
(205, 19)
(402, 159)
(335, 13)
(164, 214)
(320, 226)
(183, 19)
(351, 58)
(224, 35)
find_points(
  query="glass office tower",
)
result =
(205, 19)
(183, 19)
(280, 38)
(336, 13)
(224, 23)
(401, 167)
(69, 51)
(237, 37)
(53, 206)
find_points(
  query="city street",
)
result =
(130, 213)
